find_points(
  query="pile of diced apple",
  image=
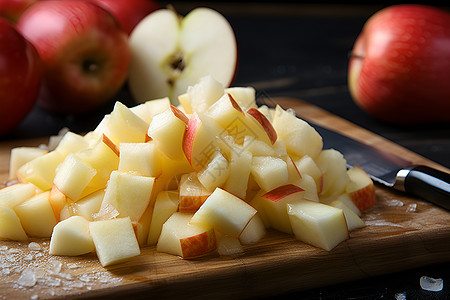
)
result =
(212, 174)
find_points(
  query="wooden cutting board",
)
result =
(401, 233)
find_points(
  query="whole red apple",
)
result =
(12, 9)
(20, 76)
(399, 69)
(84, 50)
(128, 12)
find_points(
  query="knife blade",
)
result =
(391, 170)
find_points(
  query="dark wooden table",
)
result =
(301, 50)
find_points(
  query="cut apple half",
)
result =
(171, 53)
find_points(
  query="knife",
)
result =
(391, 170)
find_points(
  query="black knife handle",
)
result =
(428, 183)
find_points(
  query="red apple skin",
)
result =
(20, 76)
(13, 9)
(84, 50)
(128, 12)
(400, 66)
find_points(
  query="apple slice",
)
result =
(225, 212)
(269, 172)
(317, 224)
(37, 216)
(170, 53)
(166, 204)
(71, 237)
(360, 188)
(72, 176)
(20, 156)
(167, 130)
(181, 237)
(114, 240)
(10, 226)
(192, 193)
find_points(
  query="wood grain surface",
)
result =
(401, 233)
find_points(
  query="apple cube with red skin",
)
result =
(360, 188)
(317, 224)
(351, 218)
(181, 237)
(114, 240)
(274, 205)
(192, 193)
(224, 212)
(167, 130)
(254, 231)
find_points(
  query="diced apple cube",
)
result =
(72, 176)
(71, 143)
(300, 137)
(114, 240)
(317, 224)
(306, 165)
(229, 245)
(129, 194)
(166, 204)
(274, 206)
(149, 108)
(334, 169)
(192, 193)
(140, 158)
(181, 237)
(124, 126)
(204, 93)
(37, 216)
(167, 130)
(352, 219)
(10, 226)
(15, 194)
(41, 170)
(269, 172)
(237, 182)
(254, 231)
(215, 173)
(22, 155)
(89, 205)
(360, 188)
(71, 237)
(225, 212)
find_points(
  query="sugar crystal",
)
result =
(431, 284)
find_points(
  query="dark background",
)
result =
(301, 50)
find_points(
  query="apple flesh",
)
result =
(170, 53)
(84, 51)
(20, 76)
(399, 67)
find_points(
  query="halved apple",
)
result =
(170, 53)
